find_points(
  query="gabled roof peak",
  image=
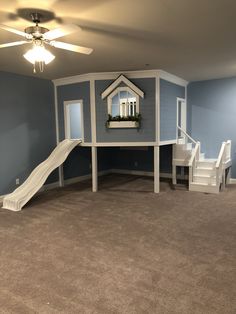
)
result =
(117, 82)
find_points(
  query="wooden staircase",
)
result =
(205, 175)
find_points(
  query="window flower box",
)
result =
(123, 122)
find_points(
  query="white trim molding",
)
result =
(157, 109)
(113, 75)
(60, 169)
(169, 142)
(183, 115)
(56, 114)
(156, 169)
(172, 78)
(67, 128)
(93, 112)
(72, 79)
(117, 144)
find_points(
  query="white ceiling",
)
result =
(194, 39)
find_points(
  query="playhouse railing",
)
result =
(224, 156)
(228, 151)
(193, 160)
(180, 131)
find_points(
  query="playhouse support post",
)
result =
(156, 169)
(228, 175)
(174, 179)
(94, 169)
(61, 176)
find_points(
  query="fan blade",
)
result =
(15, 31)
(61, 31)
(75, 48)
(14, 43)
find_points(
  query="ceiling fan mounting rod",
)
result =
(36, 17)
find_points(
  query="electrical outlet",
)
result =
(17, 181)
(136, 164)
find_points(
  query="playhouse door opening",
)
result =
(74, 120)
(181, 115)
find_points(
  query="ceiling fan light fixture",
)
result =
(39, 54)
(38, 36)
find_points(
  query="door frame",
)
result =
(67, 104)
(183, 115)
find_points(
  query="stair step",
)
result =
(204, 179)
(204, 171)
(202, 157)
(203, 187)
(206, 163)
(181, 162)
(181, 140)
(189, 146)
(181, 152)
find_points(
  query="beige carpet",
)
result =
(121, 250)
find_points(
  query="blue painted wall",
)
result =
(75, 91)
(168, 109)
(27, 127)
(79, 161)
(105, 158)
(147, 109)
(212, 115)
(141, 160)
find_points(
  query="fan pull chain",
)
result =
(40, 66)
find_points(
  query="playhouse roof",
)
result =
(122, 79)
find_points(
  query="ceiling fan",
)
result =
(38, 36)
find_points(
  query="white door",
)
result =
(74, 126)
(181, 115)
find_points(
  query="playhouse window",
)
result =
(123, 102)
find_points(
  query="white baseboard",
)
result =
(164, 175)
(49, 186)
(85, 177)
(54, 185)
(134, 172)
(77, 179)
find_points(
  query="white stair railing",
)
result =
(228, 151)
(224, 156)
(193, 160)
(187, 136)
(216, 178)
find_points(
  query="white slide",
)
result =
(17, 199)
